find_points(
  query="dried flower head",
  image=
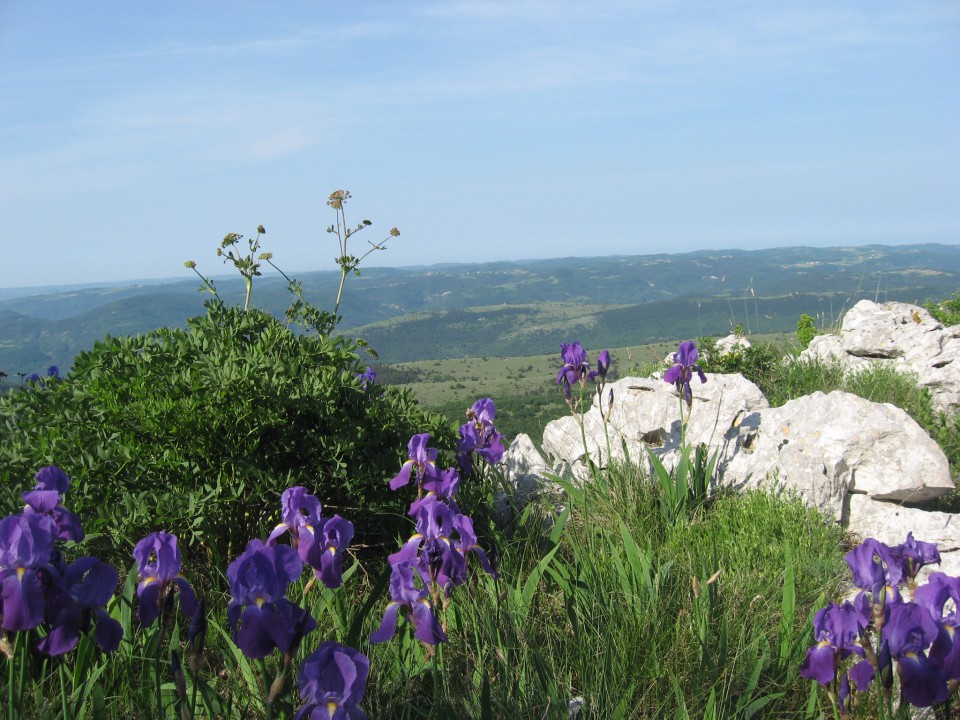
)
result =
(261, 230)
(394, 232)
(338, 198)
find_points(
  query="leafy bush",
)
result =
(197, 431)
(753, 362)
(946, 311)
(806, 331)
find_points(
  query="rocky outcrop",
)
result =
(864, 464)
(822, 447)
(825, 448)
(646, 413)
(904, 337)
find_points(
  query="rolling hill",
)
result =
(511, 308)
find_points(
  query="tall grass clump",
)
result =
(604, 609)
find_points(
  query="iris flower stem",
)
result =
(683, 426)
(10, 676)
(156, 677)
(194, 677)
(23, 644)
(158, 637)
(437, 675)
(604, 416)
(63, 694)
(268, 704)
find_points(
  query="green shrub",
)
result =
(946, 311)
(754, 362)
(197, 431)
(806, 331)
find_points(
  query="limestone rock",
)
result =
(731, 343)
(856, 461)
(526, 472)
(904, 337)
(823, 447)
(646, 413)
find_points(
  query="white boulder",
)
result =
(824, 447)
(904, 337)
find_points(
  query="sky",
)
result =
(134, 135)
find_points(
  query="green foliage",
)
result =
(608, 602)
(246, 265)
(757, 361)
(685, 489)
(198, 431)
(806, 330)
(946, 311)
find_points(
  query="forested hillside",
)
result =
(511, 308)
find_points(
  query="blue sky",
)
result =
(133, 135)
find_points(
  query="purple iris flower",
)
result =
(160, 572)
(442, 488)
(261, 616)
(52, 484)
(914, 555)
(320, 542)
(467, 543)
(431, 548)
(79, 603)
(483, 411)
(836, 629)
(603, 365)
(685, 363)
(26, 547)
(325, 553)
(300, 514)
(933, 596)
(479, 436)
(332, 681)
(909, 630)
(575, 366)
(874, 566)
(422, 462)
(415, 601)
(52, 478)
(368, 377)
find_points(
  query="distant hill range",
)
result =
(510, 308)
